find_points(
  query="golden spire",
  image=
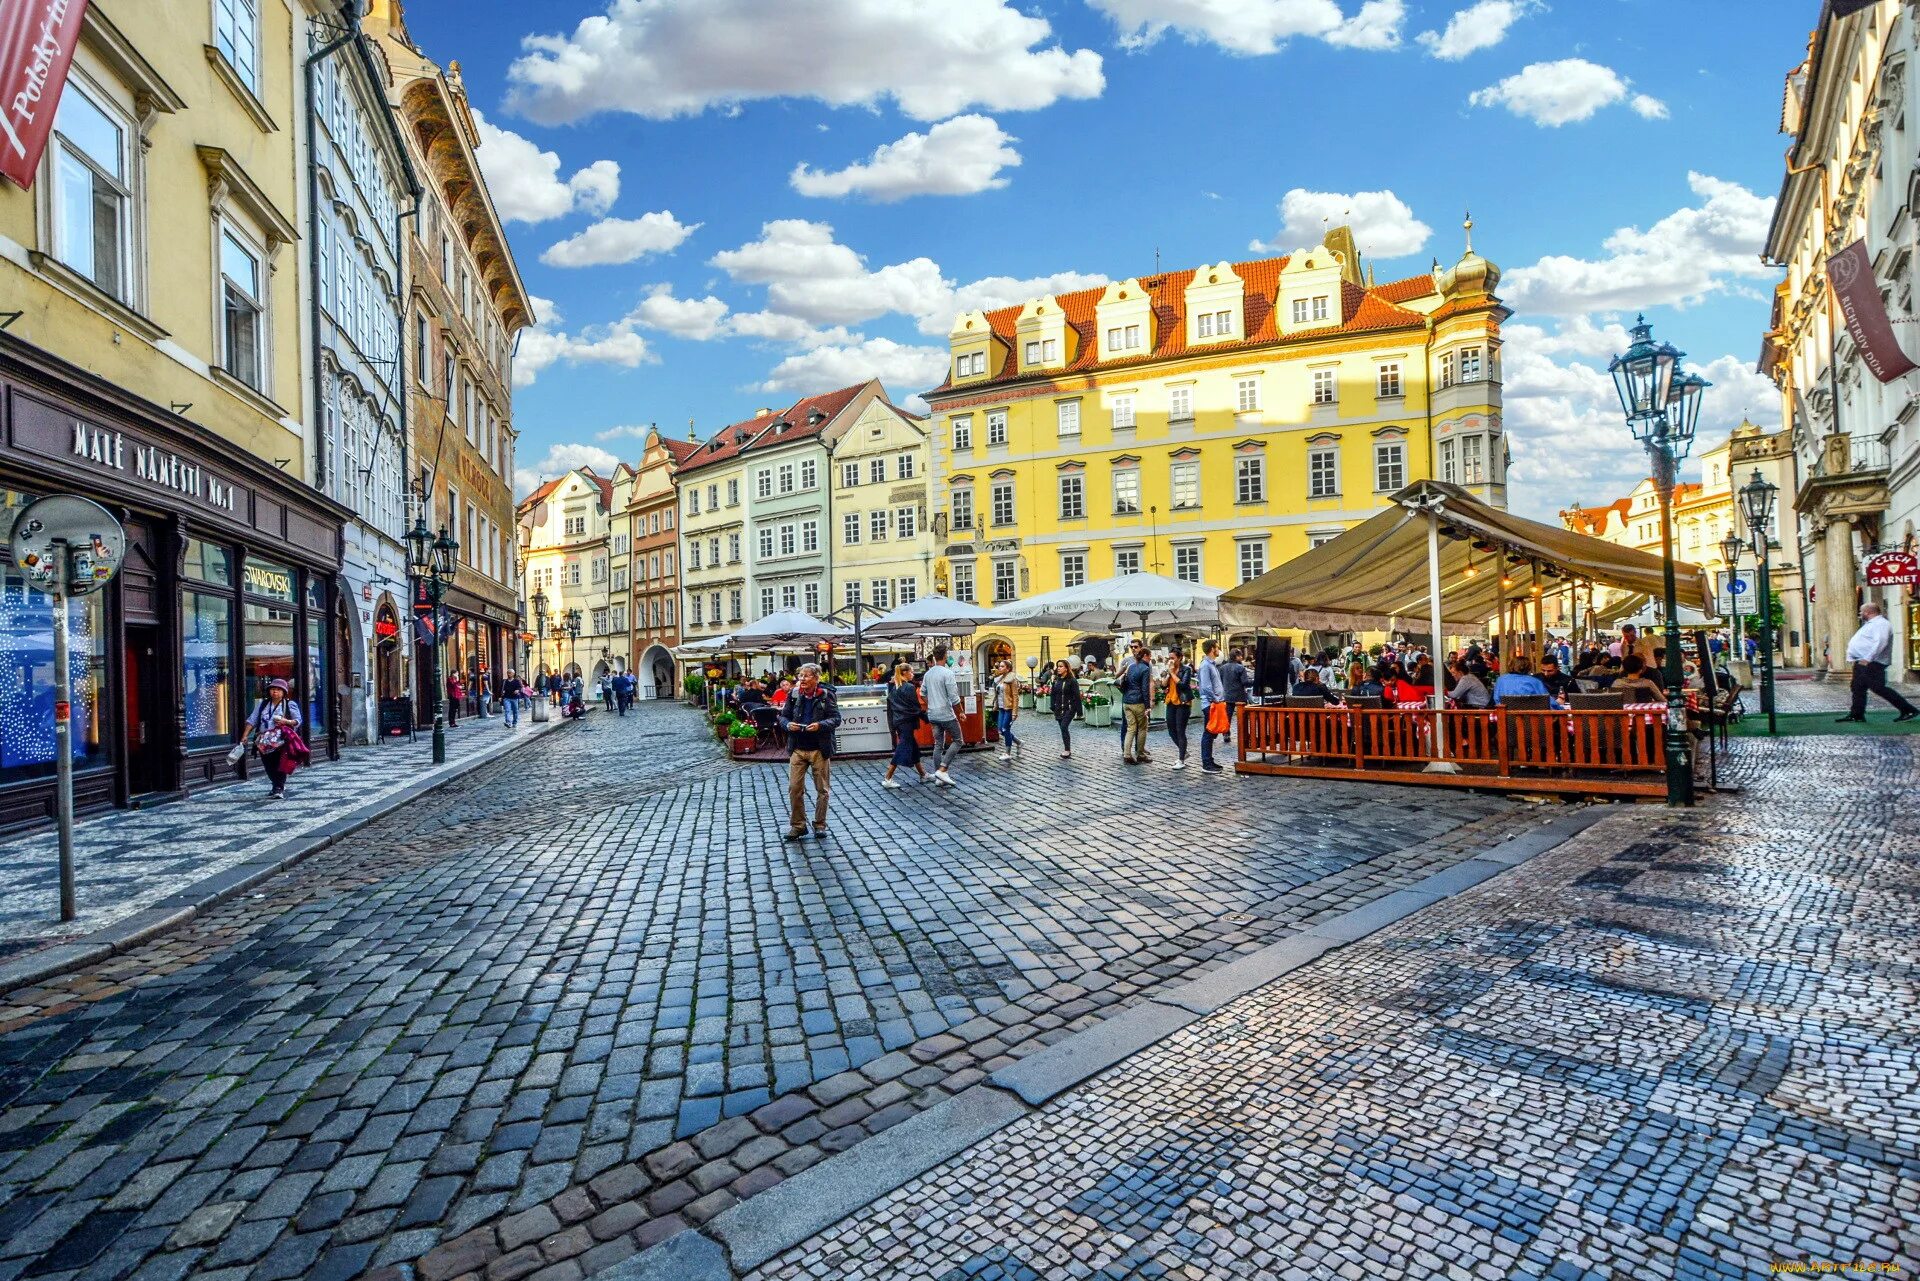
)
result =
(1468, 225)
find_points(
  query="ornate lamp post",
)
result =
(573, 638)
(540, 643)
(433, 558)
(1756, 502)
(1662, 408)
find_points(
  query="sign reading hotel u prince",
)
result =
(36, 48)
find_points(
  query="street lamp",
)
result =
(1662, 408)
(540, 625)
(432, 558)
(1730, 557)
(1756, 502)
(573, 638)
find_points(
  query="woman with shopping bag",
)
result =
(274, 732)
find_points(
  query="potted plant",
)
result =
(1099, 711)
(743, 736)
(1043, 698)
(696, 687)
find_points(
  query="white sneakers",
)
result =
(943, 778)
(1178, 765)
(890, 782)
(1005, 756)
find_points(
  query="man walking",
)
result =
(1870, 650)
(942, 692)
(1213, 690)
(511, 692)
(810, 716)
(1136, 700)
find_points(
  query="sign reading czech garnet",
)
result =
(1893, 569)
(36, 48)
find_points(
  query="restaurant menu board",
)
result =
(92, 540)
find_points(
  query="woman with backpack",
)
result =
(1066, 705)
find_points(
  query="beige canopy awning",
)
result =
(1376, 576)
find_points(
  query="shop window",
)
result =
(206, 631)
(27, 679)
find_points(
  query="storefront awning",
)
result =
(1375, 576)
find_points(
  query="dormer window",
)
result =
(1043, 352)
(1306, 310)
(970, 364)
(1123, 338)
(1216, 324)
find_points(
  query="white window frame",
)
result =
(1011, 573)
(1323, 471)
(1067, 417)
(1249, 478)
(1180, 403)
(766, 601)
(963, 582)
(1126, 477)
(1126, 560)
(1250, 558)
(963, 432)
(904, 464)
(1072, 487)
(1389, 382)
(1326, 387)
(1004, 487)
(905, 521)
(850, 528)
(1246, 392)
(849, 475)
(1073, 569)
(877, 471)
(229, 18)
(996, 427)
(1192, 551)
(1122, 410)
(250, 244)
(960, 514)
(1389, 454)
(1184, 474)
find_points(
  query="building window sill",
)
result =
(249, 102)
(254, 398)
(88, 294)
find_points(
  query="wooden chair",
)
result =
(1603, 702)
(1365, 700)
(1306, 700)
(1532, 740)
(1526, 702)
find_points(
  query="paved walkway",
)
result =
(587, 997)
(1678, 1048)
(126, 860)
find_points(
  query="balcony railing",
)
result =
(1851, 456)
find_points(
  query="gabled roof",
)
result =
(540, 494)
(1361, 310)
(806, 417)
(681, 450)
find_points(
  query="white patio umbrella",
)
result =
(787, 627)
(928, 616)
(1128, 602)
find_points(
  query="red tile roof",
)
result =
(538, 495)
(1361, 309)
(729, 441)
(680, 449)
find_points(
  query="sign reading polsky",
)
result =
(36, 48)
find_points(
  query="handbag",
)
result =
(1217, 718)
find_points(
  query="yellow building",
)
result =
(881, 536)
(566, 534)
(154, 357)
(1208, 424)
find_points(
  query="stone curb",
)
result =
(182, 906)
(740, 1239)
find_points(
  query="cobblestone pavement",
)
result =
(125, 860)
(1829, 695)
(1679, 1046)
(586, 997)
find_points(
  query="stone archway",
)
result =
(656, 673)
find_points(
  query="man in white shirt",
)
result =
(1870, 650)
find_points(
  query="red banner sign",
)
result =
(1859, 293)
(36, 48)
(1893, 569)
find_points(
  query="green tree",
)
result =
(1750, 623)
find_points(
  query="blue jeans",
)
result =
(510, 709)
(1007, 739)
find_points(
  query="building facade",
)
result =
(565, 534)
(1851, 171)
(1208, 424)
(361, 186)
(881, 534)
(715, 575)
(790, 500)
(156, 363)
(466, 303)
(653, 518)
(616, 649)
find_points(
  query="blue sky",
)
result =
(728, 203)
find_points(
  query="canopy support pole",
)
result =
(1440, 764)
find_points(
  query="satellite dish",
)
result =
(67, 535)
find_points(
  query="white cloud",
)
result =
(1558, 93)
(904, 369)
(544, 345)
(771, 326)
(1479, 26)
(991, 292)
(694, 318)
(1383, 225)
(667, 58)
(1648, 106)
(813, 277)
(632, 431)
(559, 460)
(1375, 26)
(1254, 26)
(525, 181)
(617, 240)
(957, 157)
(1685, 256)
(1570, 444)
